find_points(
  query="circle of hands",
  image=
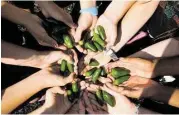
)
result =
(137, 86)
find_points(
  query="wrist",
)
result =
(87, 4)
(39, 78)
(92, 10)
(111, 18)
(36, 60)
(109, 14)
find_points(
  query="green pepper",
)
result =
(121, 80)
(81, 42)
(101, 32)
(99, 97)
(90, 72)
(99, 94)
(67, 41)
(97, 38)
(108, 98)
(119, 72)
(93, 62)
(70, 67)
(98, 46)
(75, 87)
(90, 46)
(63, 65)
(96, 75)
(69, 92)
(103, 72)
(70, 95)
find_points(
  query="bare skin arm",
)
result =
(16, 55)
(15, 95)
(14, 14)
(135, 18)
(18, 93)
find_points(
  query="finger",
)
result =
(112, 39)
(70, 23)
(61, 47)
(93, 88)
(80, 49)
(70, 78)
(111, 65)
(72, 32)
(82, 83)
(132, 94)
(49, 41)
(105, 88)
(67, 57)
(56, 90)
(110, 77)
(104, 80)
(94, 22)
(78, 33)
(114, 88)
(75, 57)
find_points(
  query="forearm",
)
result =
(135, 18)
(17, 55)
(167, 95)
(87, 3)
(14, 14)
(18, 93)
(167, 66)
(117, 9)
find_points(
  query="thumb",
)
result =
(56, 90)
(78, 33)
(70, 23)
(105, 88)
(112, 39)
(70, 78)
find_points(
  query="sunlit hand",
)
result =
(123, 104)
(110, 30)
(101, 57)
(50, 77)
(137, 66)
(86, 21)
(47, 58)
(56, 101)
(138, 87)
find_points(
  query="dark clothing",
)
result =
(165, 21)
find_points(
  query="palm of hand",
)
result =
(50, 77)
(110, 30)
(123, 105)
(57, 103)
(137, 66)
(141, 87)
